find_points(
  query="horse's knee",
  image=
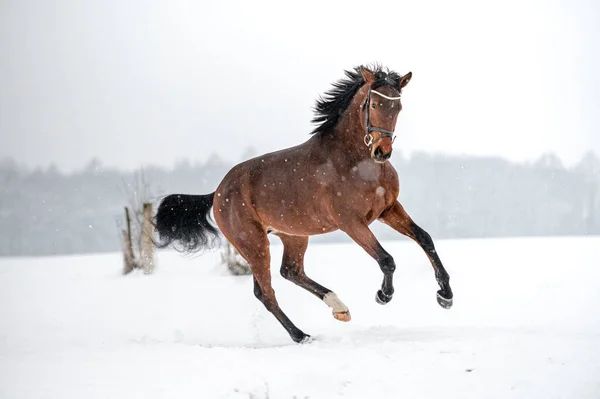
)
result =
(387, 264)
(289, 272)
(285, 271)
(424, 239)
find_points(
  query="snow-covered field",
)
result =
(525, 324)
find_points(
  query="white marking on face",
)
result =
(380, 191)
(332, 300)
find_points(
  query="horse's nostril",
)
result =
(379, 155)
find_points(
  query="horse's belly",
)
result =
(298, 223)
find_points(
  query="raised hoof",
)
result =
(382, 298)
(446, 303)
(342, 316)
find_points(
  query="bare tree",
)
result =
(138, 248)
(234, 262)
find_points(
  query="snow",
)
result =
(525, 324)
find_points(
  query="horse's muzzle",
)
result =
(379, 156)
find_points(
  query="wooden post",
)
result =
(130, 243)
(234, 262)
(147, 247)
(129, 262)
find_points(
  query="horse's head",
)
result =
(379, 111)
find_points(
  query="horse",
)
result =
(339, 179)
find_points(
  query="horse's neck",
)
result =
(348, 136)
(347, 142)
(350, 161)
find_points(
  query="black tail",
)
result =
(184, 221)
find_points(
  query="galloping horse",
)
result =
(339, 179)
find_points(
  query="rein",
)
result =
(370, 128)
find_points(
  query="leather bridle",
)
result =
(370, 128)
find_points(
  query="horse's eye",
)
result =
(373, 105)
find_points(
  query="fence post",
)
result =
(128, 257)
(147, 247)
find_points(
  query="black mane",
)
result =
(334, 102)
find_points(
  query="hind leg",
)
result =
(268, 299)
(292, 268)
(252, 243)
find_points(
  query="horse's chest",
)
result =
(376, 202)
(367, 198)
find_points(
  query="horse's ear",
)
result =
(368, 76)
(403, 81)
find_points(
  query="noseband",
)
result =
(369, 128)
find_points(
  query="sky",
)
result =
(134, 83)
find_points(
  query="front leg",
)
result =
(397, 218)
(363, 236)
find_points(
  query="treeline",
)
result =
(47, 212)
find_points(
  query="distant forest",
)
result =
(45, 212)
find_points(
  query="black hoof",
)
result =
(446, 303)
(300, 338)
(303, 339)
(382, 298)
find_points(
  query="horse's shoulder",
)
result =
(389, 172)
(390, 176)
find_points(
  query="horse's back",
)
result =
(280, 190)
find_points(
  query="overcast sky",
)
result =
(141, 82)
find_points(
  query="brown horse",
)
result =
(339, 179)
